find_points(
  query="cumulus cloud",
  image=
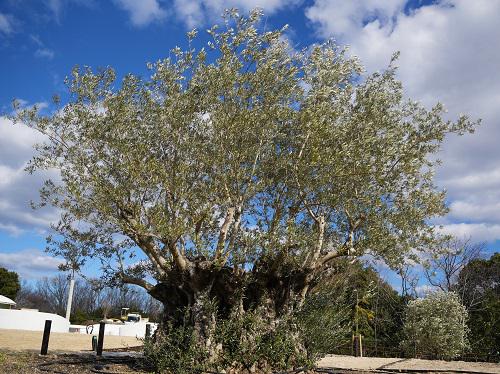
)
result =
(17, 187)
(448, 54)
(346, 19)
(29, 263)
(142, 12)
(480, 232)
(13, 230)
(199, 12)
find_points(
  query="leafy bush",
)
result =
(240, 342)
(325, 322)
(174, 350)
(252, 340)
(436, 326)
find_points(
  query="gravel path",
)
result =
(60, 342)
(396, 364)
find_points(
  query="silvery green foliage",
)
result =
(436, 326)
(241, 153)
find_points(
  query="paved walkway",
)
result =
(396, 364)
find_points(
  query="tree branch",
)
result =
(223, 232)
(137, 281)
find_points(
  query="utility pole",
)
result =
(70, 294)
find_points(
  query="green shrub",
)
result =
(436, 326)
(252, 340)
(325, 322)
(175, 350)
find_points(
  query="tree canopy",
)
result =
(240, 171)
(9, 283)
(478, 285)
(259, 152)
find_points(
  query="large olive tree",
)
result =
(239, 172)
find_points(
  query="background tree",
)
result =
(436, 326)
(449, 259)
(478, 285)
(371, 302)
(9, 283)
(409, 280)
(237, 173)
(91, 301)
(457, 266)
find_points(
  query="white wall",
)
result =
(136, 329)
(129, 329)
(31, 320)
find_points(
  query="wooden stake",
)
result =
(46, 336)
(100, 340)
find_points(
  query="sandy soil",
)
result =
(375, 363)
(60, 342)
(16, 362)
(19, 340)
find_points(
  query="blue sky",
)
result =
(449, 52)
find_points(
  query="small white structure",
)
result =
(33, 320)
(137, 329)
(5, 301)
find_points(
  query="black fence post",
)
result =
(45, 339)
(100, 340)
(94, 343)
(148, 330)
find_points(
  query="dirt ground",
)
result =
(19, 354)
(16, 362)
(405, 365)
(27, 362)
(21, 340)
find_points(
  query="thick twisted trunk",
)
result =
(226, 318)
(182, 293)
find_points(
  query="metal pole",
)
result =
(70, 295)
(360, 346)
(45, 339)
(356, 315)
(100, 340)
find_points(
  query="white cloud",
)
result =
(142, 12)
(44, 53)
(477, 231)
(17, 187)
(13, 230)
(6, 24)
(425, 289)
(482, 210)
(200, 12)
(448, 53)
(56, 7)
(29, 263)
(345, 19)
